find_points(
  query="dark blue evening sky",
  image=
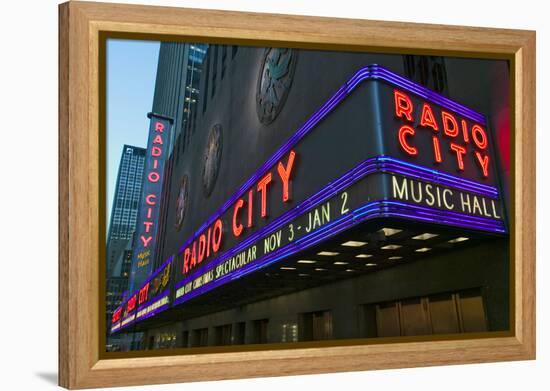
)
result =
(131, 74)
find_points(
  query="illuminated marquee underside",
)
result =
(380, 187)
(153, 297)
(381, 180)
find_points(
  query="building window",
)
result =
(223, 335)
(316, 326)
(447, 313)
(289, 332)
(200, 337)
(206, 79)
(240, 333)
(164, 341)
(185, 339)
(194, 122)
(178, 148)
(260, 331)
(185, 129)
(224, 58)
(215, 69)
(427, 70)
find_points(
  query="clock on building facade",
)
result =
(181, 201)
(212, 159)
(274, 82)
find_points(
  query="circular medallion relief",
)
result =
(181, 201)
(274, 81)
(212, 159)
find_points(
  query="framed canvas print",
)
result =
(247, 195)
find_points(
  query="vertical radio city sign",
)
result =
(145, 239)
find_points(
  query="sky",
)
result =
(131, 74)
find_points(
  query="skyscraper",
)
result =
(177, 86)
(117, 283)
(123, 222)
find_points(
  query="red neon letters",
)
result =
(131, 305)
(208, 242)
(427, 118)
(262, 189)
(116, 315)
(237, 227)
(143, 293)
(250, 205)
(405, 131)
(460, 151)
(483, 162)
(217, 235)
(479, 136)
(437, 149)
(450, 127)
(403, 105)
(465, 131)
(242, 214)
(153, 176)
(456, 143)
(284, 174)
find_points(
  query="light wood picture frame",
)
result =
(82, 364)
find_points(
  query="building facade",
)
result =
(177, 86)
(399, 274)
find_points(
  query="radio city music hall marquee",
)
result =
(409, 153)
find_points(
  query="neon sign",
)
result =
(149, 211)
(430, 162)
(455, 134)
(150, 299)
(209, 241)
(116, 315)
(459, 136)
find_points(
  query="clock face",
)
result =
(274, 81)
(181, 201)
(212, 159)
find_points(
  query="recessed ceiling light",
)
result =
(459, 239)
(328, 253)
(370, 264)
(340, 263)
(320, 269)
(363, 256)
(422, 250)
(391, 247)
(394, 258)
(353, 243)
(288, 268)
(303, 275)
(425, 236)
(390, 231)
(306, 261)
(350, 270)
